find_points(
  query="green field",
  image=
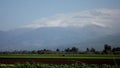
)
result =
(80, 56)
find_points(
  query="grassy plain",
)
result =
(77, 56)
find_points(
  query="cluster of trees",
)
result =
(108, 49)
(74, 50)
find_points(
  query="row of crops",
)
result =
(83, 65)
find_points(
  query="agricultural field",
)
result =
(28, 65)
(60, 58)
(77, 56)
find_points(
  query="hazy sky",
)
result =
(40, 13)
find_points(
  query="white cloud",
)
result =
(99, 17)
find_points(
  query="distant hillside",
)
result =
(56, 37)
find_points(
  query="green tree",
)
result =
(107, 49)
(57, 50)
(92, 50)
(74, 50)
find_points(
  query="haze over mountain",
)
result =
(59, 24)
(58, 37)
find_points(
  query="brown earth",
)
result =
(58, 61)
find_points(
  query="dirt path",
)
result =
(58, 61)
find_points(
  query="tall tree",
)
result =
(107, 49)
(57, 50)
(74, 49)
(87, 50)
(92, 50)
(67, 50)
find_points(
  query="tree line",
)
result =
(73, 50)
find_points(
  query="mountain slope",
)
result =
(57, 37)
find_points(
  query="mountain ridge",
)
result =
(56, 37)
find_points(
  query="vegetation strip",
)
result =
(82, 65)
(77, 56)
